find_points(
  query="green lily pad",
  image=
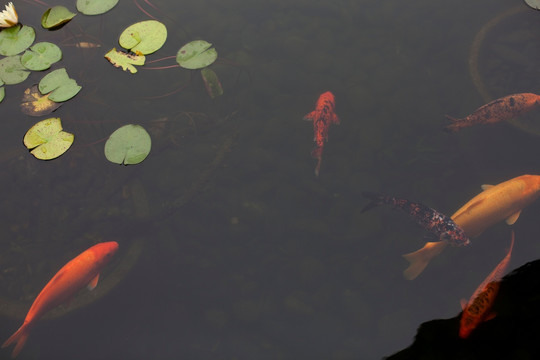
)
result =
(2, 93)
(196, 55)
(12, 71)
(16, 39)
(95, 7)
(47, 139)
(41, 56)
(125, 61)
(56, 16)
(35, 104)
(128, 145)
(144, 37)
(60, 86)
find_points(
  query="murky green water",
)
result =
(245, 253)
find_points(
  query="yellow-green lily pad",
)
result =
(128, 145)
(47, 139)
(196, 55)
(56, 16)
(144, 37)
(125, 61)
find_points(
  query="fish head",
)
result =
(105, 251)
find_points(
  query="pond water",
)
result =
(242, 252)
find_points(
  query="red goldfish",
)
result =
(323, 116)
(495, 203)
(505, 108)
(81, 271)
(478, 309)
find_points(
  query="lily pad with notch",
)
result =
(56, 16)
(47, 140)
(144, 37)
(60, 86)
(128, 145)
(95, 7)
(196, 55)
(35, 104)
(16, 39)
(41, 56)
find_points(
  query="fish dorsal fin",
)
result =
(463, 303)
(93, 283)
(486, 186)
(513, 218)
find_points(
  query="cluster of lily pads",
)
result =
(130, 144)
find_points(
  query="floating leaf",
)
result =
(2, 93)
(60, 86)
(128, 145)
(47, 139)
(125, 61)
(196, 55)
(212, 83)
(95, 7)
(16, 39)
(41, 56)
(144, 37)
(35, 104)
(56, 16)
(12, 71)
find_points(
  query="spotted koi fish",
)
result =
(495, 203)
(443, 227)
(478, 309)
(502, 109)
(323, 116)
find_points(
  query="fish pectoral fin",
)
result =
(491, 315)
(463, 303)
(513, 218)
(310, 117)
(486, 186)
(93, 283)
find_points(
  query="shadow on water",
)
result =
(512, 334)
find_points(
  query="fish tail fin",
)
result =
(420, 258)
(376, 200)
(454, 126)
(19, 338)
(311, 116)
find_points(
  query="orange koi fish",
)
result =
(478, 309)
(499, 202)
(81, 271)
(505, 108)
(323, 116)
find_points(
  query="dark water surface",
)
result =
(245, 253)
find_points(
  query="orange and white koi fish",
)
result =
(478, 309)
(499, 202)
(323, 116)
(502, 109)
(81, 271)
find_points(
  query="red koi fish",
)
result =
(502, 109)
(81, 271)
(478, 309)
(323, 116)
